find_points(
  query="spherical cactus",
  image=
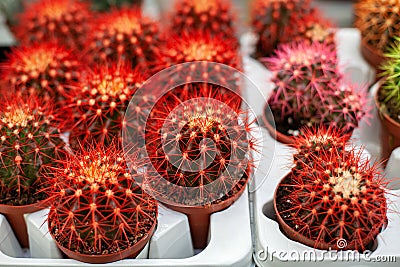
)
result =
(389, 93)
(29, 143)
(311, 26)
(334, 200)
(379, 24)
(270, 18)
(198, 46)
(214, 16)
(199, 141)
(302, 74)
(41, 69)
(98, 209)
(62, 21)
(123, 34)
(98, 102)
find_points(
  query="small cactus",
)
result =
(310, 90)
(196, 141)
(98, 102)
(389, 93)
(269, 20)
(97, 207)
(41, 69)
(334, 199)
(378, 22)
(215, 16)
(311, 26)
(123, 34)
(29, 143)
(61, 21)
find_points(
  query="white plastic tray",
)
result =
(229, 242)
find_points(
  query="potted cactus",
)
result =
(215, 16)
(30, 144)
(123, 34)
(99, 214)
(379, 24)
(388, 100)
(198, 155)
(333, 198)
(309, 91)
(98, 101)
(269, 18)
(62, 21)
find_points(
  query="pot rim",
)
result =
(11, 209)
(277, 135)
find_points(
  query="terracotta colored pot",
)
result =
(372, 55)
(130, 252)
(199, 218)
(280, 137)
(390, 135)
(296, 236)
(16, 219)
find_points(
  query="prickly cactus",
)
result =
(61, 21)
(335, 199)
(98, 208)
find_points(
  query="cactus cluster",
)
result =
(310, 91)
(196, 141)
(41, 69)
(98, 102)
(97, 207)
(123, 34)
(29, 144)
(378, 22)
(269, 20)
(332, 195)
(61, 21)
(214, 16)
(389, 93)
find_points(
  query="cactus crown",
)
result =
(123, 34)
(389, 93)
(99, 99)
(30, 143)
(214, 16)
(98, 208)
(62, 21)
(194, 141)
(378, 22)
(41, 69)
(332, 195)
(310, 90)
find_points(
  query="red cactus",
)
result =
(29, 143)
(124, 34)
(98, 208)
(42, 69)
(215, 16)
(98, 102)
(197, 140)
(270, 18)
(62, 21)
(333, 196)
(198, 46)
(311, 26)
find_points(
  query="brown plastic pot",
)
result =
(16, 219)
(280, 137)
(130, 252)
(372, 55)
(199, 218)
(390, 135)
(296, 236)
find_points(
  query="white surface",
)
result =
(230, 241)
(8, 242)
